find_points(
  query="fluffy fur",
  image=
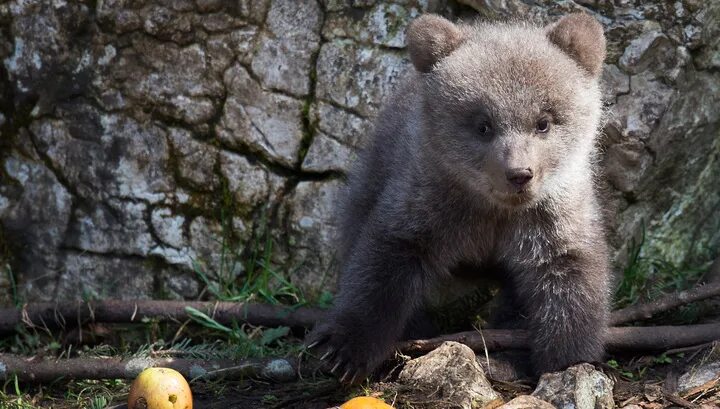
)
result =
(438, 188)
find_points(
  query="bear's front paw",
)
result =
(351, 354)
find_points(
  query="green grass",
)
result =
(647, 278)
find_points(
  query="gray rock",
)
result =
(347, 128)
(614, 83)
(327, 154)
(383, 24)
(450, 373)
(266, 122)
(90, 276)
(578, 387)
(649, 48)
(107, 155)
(636, 114)
(36, 230)
(703, 375)
(249, 184)
(526, 402)
(309, 213)
(356, 77)
(115, 226)
(170, 79)
(195, 161)
(284, 56)
(168, 227)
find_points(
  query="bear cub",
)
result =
(485, 157)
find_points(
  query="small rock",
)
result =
(696, 378)
(327, 154)
(450, 373)
(279, 370)
(645, 50)
(526, 402)
(578, 387)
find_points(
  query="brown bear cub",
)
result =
(484, 158)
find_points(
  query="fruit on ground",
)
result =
(365, 402)
(160, 388)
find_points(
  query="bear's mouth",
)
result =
(518, 198)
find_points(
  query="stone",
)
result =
(171, 79)
(356, 77)
(114, 226)
(107, 155)
(637, 113)
(699, 378)
(35, 231)
(168, 227)
(626, 163)
(309, 213)
(614, 83)
(90, 276)
(267, 122)
(450, 373)
(284, 56)
(526, 402)
(195, 161)
(347, 128)
(644, 50)
(249, 184)
(327, 154)
(383, 24)
(578, 387)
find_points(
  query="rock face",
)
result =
(578, 387)
(450, 373)
(136, 137)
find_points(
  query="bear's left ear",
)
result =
(582, 38)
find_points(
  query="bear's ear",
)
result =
(581, 37)
(431, 38)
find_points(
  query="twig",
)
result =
(48, 370)
(619, 338)
(669, 301)
(680, 401)
(122, 311)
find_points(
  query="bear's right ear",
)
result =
(431, 38)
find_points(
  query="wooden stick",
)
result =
(121, 311)
(48, 370)
(667, 302)
(618, 339)
(281, 369)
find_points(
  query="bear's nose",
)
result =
(519, 177)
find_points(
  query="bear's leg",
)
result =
(381, 287)
(566, 304)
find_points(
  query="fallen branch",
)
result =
(284, 369)
(618, 339)
(75, 313)
(667, 302)
(48, 370)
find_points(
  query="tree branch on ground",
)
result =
(282, 369)
(646, 311)
(74, 313)
(657, 338)
(48, 370)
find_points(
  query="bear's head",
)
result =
(511, 110)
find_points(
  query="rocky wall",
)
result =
(142, 140)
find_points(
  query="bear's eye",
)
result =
(484, 128)
(542, 125)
